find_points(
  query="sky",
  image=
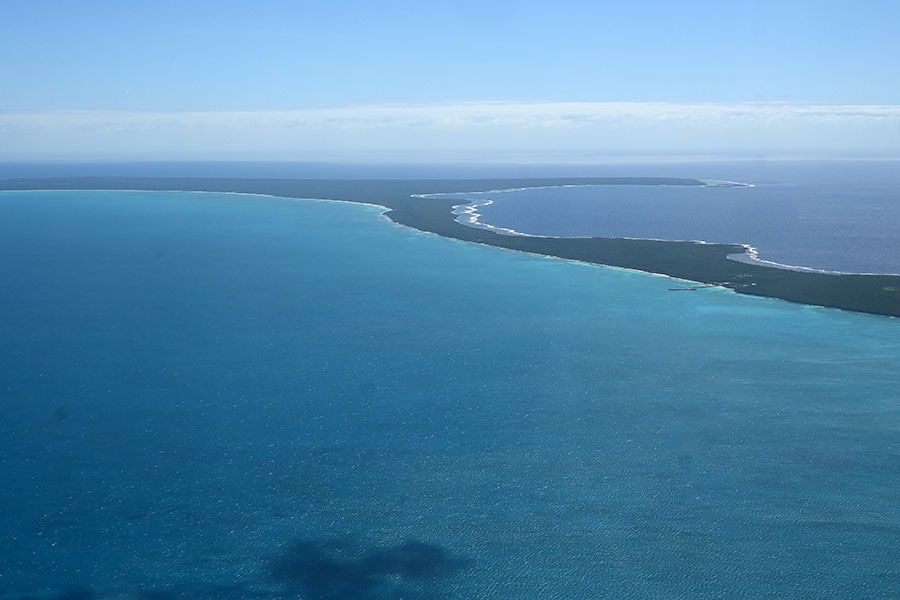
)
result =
(461, 79)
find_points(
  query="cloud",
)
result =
(474, 126)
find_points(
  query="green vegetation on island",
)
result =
(703, 263)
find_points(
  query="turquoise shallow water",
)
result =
(214, 396)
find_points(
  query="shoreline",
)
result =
(407, 202)
(468, 214)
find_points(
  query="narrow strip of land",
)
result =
(706, 264)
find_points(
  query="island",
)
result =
(705, 264)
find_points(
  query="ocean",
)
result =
(234, 396)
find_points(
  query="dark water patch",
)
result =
(337, 569)
(77, 593)
(414, 559)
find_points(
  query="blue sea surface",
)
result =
(224, 396)
(825, 215)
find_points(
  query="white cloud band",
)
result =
(608, 126)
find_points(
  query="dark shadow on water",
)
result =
(341, 570)
(413, 559)
(314, 569)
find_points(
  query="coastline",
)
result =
(412, 203)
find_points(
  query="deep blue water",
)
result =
(830, 215)
(220, 396)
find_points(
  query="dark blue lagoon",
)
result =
(226, 396)
(825, 215)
